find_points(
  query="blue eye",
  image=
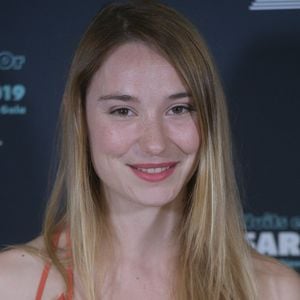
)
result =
(122, 112)
(180, 109)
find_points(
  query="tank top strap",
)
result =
(43, 280)
(47, 267)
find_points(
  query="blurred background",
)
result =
(256, 46)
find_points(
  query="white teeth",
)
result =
(153, 170)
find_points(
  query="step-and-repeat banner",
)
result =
(256, 46)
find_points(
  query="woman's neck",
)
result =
(146, 233)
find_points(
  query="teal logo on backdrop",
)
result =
(9, 61)
(13, 93)
(12, 96)
(275, 235)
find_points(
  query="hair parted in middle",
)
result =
(214, 257)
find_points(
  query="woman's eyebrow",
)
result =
(179, 95)
(122, 97)
(125, 97)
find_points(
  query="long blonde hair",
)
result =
(215, 260)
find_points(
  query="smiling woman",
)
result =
(145, 203)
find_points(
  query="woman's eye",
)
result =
(180, 109)
(122, 112)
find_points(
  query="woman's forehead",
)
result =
(136, 65)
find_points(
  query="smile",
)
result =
(154, 172)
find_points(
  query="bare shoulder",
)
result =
(19, 273)
(276, 281)
(21, 270)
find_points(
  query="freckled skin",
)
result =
(149, 133)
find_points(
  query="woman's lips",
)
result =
(153, 172)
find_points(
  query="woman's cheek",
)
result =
(113, 140)
(186, 136)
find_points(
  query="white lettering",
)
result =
(266, 243)
(251, 236)
(288, 244)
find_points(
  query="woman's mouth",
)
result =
(154, 172)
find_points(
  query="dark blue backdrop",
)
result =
(257, 53)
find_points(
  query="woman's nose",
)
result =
(153, 139)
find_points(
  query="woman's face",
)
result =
(142, 127)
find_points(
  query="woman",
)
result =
(145, 204)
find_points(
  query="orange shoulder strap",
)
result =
(46, 270)
(43, 280)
